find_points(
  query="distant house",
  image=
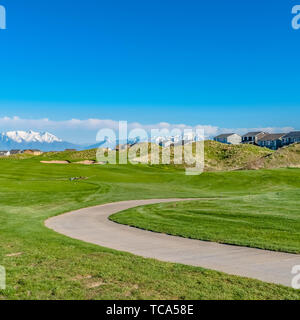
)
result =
(272, 141)
(291, 137)
(253, 137)
(229, 138)
(4, 153)
(70, 150)
(15, 151)
(126, 146)
(33, 152)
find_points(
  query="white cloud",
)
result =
(84, 131)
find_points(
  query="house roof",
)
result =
(255, 133)
(272, 137)
(224, 135)
(32, 150)
(294, 134)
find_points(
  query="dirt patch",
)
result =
(94, 284)
(14, 254)
(80, 277)
(56, 162)
(88, 281)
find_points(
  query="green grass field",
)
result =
(42, 264)
(267, 221)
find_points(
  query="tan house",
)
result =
(33, 152)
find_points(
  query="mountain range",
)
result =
(44, 141)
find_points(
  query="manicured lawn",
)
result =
(267, 221)
(42, 264)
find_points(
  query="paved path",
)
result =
(92, 225)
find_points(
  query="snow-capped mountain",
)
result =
(166, 141)
(33, 140)
(29, 136)
(46, 141)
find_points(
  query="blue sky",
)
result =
(225, 64)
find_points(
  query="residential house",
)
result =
(291, 137)
(33, 152)
(272, 141)
(4, 153)
(15, 151)
(126, 146)
(229, 138)
(253, 137)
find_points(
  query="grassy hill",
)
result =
(286, 157)
(71, 156)
(223, 157)
(249, 157)
(218, 156)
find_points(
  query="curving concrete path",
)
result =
(92, 225)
